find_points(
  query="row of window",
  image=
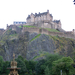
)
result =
(19, 22)
(38, 19)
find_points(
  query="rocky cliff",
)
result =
(33, 46)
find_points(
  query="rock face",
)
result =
(39, 46)
(33, 46)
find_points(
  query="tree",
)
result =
(50, 59)
(64, 64)
(1, 64)
(21, 64)
(40, 67)
(42, 64)
(47, 72)
(30, 66)
(6, 64)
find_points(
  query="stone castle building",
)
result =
(41, 21)
(44, 20)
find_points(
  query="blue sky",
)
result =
(18, 10)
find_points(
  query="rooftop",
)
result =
(39, 14)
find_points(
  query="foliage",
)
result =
(35, 37)
(64, 46)
(64, 64)
(30, 66)
(28, 26)
(52, 30)
(1, 64)
(6, 64)
(41, 55)
(46, 63)
(21, 65)
(7, 35)
(49, 60)
(47, 72)
(51, 65)
(39, 68)
(19, 26)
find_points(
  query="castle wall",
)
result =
(47, 25)
(14, 28)
(32, 18)
(44, 31)
(59, 24)
(45, 17)
(31, 30)
(69, 35)
(36, 19)
(41, 17)
(49, 18)
(29, 21)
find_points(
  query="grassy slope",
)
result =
(52, 30)
(28, 26)
(35, 37)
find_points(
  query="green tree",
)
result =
(30, 72)
(64, 64)
(40, 67)
(6, 64)
(49, 60)
(47, 72)
(1, 64)
(21, 64)
(42, 64)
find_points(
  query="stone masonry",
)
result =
(44, 20)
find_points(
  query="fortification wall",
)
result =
(14, 28)
(69, 35)
(43, 24)
(41, 31)
(44, 31)
(31, 30)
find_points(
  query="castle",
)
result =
(43, 20)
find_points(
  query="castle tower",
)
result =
(13, 69)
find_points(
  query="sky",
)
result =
(18, 10)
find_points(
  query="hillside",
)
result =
(34, 46)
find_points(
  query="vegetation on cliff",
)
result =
(52, 30)
(33, 46)
(27, 26)
(64, 46)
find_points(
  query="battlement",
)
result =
(45, 31)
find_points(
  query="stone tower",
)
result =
(13, 69)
